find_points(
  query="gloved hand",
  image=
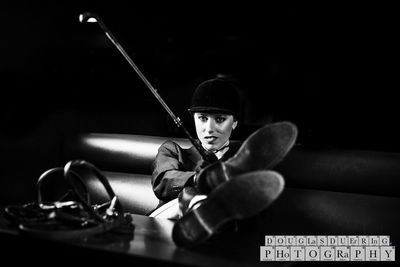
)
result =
(201, 165)
(193, 180)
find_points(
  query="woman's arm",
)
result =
(169, 174)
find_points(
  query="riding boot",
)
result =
(239, 198)
(262, 150)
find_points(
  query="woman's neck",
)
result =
(222, 150)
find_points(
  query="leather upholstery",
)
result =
(328, 191)
(125, 160)
(117, 152)
(318, 212)
(356, 171)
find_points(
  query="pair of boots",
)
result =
(238, 188)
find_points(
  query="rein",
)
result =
(72, 215)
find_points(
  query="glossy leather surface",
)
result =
(327, 191)
(117, 152)
(354, 171)
(128, 159)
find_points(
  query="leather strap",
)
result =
(73, 218)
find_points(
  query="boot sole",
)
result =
(242, 197)
(262, 150)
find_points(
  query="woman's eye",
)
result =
(202, 118)
(220, 119)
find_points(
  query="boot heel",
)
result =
(243, 196)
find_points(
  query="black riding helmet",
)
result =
(216, 96)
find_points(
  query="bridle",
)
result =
(72, 215)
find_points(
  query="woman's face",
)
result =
(213, 130)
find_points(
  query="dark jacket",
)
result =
(174, 166)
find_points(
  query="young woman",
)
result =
(204, 197)
(215, 109)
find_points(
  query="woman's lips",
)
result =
(210, 138)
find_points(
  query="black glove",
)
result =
(192, 180)
(201, 165)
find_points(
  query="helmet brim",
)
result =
(211, 110)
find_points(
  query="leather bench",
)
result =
(328, 191)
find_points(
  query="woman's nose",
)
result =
(210, 126)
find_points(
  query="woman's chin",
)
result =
(209, 147)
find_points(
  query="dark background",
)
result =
(331, 69)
